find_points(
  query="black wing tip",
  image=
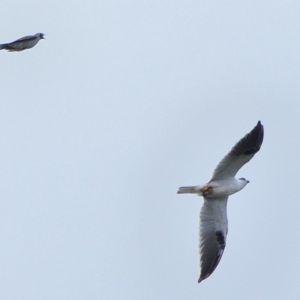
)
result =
(259, 126)
(202, 277)
(207, 271)
(251, 142)
(257, 135)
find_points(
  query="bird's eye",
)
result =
(243, 179)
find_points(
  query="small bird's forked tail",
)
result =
(188, 190)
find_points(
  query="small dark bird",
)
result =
(23, 43)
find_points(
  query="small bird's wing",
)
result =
(240, 154)
(213, 232)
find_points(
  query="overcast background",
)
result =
(124, 102)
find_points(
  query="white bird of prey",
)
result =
(213, 215)
(23, 43)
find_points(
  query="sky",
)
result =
(122, 103)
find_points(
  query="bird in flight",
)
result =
(23, 43)
(213, 215)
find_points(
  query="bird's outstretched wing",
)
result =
(213, 231)
(240, 154)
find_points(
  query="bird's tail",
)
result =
(188, 190)
(3, 46)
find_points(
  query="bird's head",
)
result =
(40, 35)
(243, 181)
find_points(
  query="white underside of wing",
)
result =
(240, 154)
(229, 166)
(213, 231)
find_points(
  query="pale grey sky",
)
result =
(124, 102)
